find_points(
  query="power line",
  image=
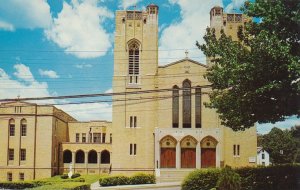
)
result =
(99, 95)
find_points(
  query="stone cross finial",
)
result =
(186, 54)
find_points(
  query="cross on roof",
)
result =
(186, 54)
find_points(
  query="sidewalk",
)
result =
(96, 186)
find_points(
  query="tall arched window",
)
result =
(23, 127)
(175, 107)
(198, 107)
(186, 104)
(67, 156)
(79, 157)
(11, 127)
(92, 157)
(134, 62)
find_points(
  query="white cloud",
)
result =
(184, 34)
(235, 5)
(127, 3)
(78, 29)
(87, 112)
(48, 73)
(286, 124)
(109, 90)
(6, 26)
(83, 65)
(25, 14)
(25, 86)
(23, 72)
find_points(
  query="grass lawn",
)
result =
(81, 182)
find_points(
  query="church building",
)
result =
(159, 122)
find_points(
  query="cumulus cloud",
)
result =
(83, 65)
(87, 112)
(6, 26)
(24, 14)
(25, 86)
(127, 3)
(287, 124)
(235, 5)
(191, 27)
(78, 30)
(48, 73)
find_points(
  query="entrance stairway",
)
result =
(172, 175)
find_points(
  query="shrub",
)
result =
(229, 180)
(114, 180)
(75, 175)
(142, 179)
(64, 176)
(20, 185)
(201, 179)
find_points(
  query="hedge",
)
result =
(282, 177)
(21, 185)
(205, 179)
(65, 176)
(124, 180)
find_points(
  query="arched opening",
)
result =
(92, 157)
(67, 156)
(186, 104)
(175, 107)
(208, 152)
(168, 152)
(105, 157)
(79, 158)
(188, 152)
(11, 125)
(23, 127)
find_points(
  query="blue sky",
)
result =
(65, 47)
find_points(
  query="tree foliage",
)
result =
(256, 79)
(280, 145)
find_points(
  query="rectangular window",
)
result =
(23, 130)
(77, 137)
(23, 155)
(132, 150)
(97, 137)
(83, 137)
(21, 176)
(110, 135)
(236, 150)
(263, 156)
(133, 121)
(11, 154)
(103, 137)
(198, 107)
(12, 130)
(9, 176)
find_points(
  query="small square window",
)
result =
(23, 154)
(11, 155)
(9, 176)
(21, 176)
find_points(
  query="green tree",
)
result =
(257, 79)
(280, 145)
(296, 135)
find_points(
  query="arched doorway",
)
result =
(79, 158)
(188, 152)
(208, 152)
(105, 157)
(168, 152)
(67, 156)
(92, 157)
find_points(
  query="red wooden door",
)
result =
(168, 157)
(208, 157)
(188, 158)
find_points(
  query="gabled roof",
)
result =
(182, 60)
(16, 103)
